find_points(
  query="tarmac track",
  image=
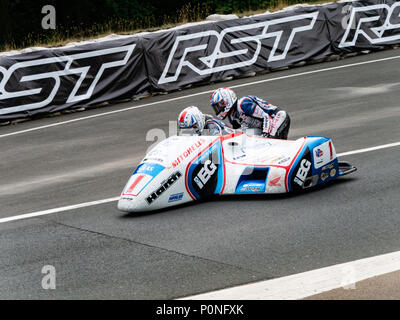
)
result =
(99, 252)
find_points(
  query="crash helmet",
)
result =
(191, 117)
(222, 101)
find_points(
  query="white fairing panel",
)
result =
(243, 152)
(245, 149)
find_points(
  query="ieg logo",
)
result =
(372, 22)
(220, 59)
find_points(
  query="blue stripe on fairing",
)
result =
(249, 180)
(151, 169)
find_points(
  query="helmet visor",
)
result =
(218, 107)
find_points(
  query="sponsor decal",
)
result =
(323, 154)
(135, 183)
(302, 173)
(79, 68)
(252, 187)
(319, 153)
(126, 198)
(275, 159)
(272, 159)
(175, 197)
(151, 169)
(153, 160)
(329, 166)
(324, 176)
(148, 168)
(274, 122)
(331, 173)
(188, 152)
(239, 157)
(251, 36)
(373, 23)
(141, 177)
(284, 160)
(252, 179)
(318, 157)
(205, 178)
(164, 186)
(205, 174)
(274, 182)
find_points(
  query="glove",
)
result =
(266, 135)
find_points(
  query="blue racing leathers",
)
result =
(215, 126)
(253, 112)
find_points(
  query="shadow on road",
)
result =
(245, 197)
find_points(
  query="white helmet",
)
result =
(191, 117)
(222, 101)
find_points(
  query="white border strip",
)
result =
(93, 203)
(195, 94)
(309, 283)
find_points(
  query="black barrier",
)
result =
(48, 81)
(51, 80)
(363, 25)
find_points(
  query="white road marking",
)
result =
(389, 145)
(93, 203)
(56, 210)
(309, 283)
(193, 95)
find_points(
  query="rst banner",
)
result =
(363, 25)
(211, 52)
(52, 80)
(47, 81)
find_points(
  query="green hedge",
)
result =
(20, 20)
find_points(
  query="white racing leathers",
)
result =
(252, 112)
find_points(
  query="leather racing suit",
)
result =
(253, 112)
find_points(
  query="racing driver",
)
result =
(250, 112)
(191, 117)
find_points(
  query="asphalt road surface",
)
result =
(99, 252)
